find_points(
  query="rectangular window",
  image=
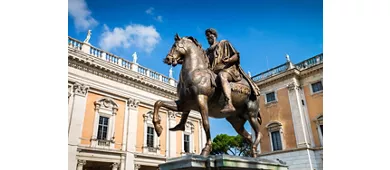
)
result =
(187, 143)
(150, 137)
(316, 87)
(270, 97)
(102, 128)
(276, 141)
(322, 130)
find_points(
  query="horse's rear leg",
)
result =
(238, 125)
(204, 111)
(255, 123)
(171, 105)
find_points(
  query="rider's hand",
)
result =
(226, 60)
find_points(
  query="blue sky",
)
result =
(263, 31)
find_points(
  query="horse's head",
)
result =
(179, 50)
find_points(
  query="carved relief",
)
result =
(171, 115)
(293, 86)
(107, 103)
(149, 116)
(80, 89)
(137, 166)
(133, 103)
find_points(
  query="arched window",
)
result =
(275, 132)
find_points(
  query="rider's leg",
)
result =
(225, 78)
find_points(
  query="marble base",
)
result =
(220, 162)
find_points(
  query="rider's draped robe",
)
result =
(225, 49)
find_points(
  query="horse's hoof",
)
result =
(205, 153)
(178, 127)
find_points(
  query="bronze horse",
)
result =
(198, 90)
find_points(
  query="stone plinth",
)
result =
(220, 162)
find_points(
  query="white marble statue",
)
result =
(88, 37)
(249, 74)
(135, 57)
(288, 58)
(170, 73)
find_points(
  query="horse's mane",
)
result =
(195, 41)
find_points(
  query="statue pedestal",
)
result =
(220, 162)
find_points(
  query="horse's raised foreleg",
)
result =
(204, 111)
(171, 105)
(181, 126)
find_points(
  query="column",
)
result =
(76, 122)
(80, 164)
(204, 138)
(298, 117)
(200, 136)
(115, 166)
(172, 134)
(132, 109)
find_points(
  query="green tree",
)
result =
(230, 145)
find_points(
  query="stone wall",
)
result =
(303, 159)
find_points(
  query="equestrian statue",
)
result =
(213, 83)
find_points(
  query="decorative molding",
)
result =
(108, 103)
(80, 89)
(149, 116)
(81, 162)
(190, 125)
(133, 103)
(120, 75)
(293, 86)
(171, 115)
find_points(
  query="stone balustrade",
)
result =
(284, 67)
(274, 71)
(98, 53)
(310, 62)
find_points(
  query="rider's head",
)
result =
(211, 35)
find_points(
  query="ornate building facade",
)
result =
(291, 107)
(110, 105)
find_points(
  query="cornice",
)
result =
(299, 74)
(99, 67)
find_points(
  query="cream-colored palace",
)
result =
(110, 104)
(111, 100)
(291, 109)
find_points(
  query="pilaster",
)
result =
(132, 118)
(80, 92)
(298, 117)
(172, 134)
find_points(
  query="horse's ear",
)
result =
(177, 38)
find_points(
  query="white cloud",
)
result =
(81, 15)
(150, 11)
(144, 38)
(159, 18)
